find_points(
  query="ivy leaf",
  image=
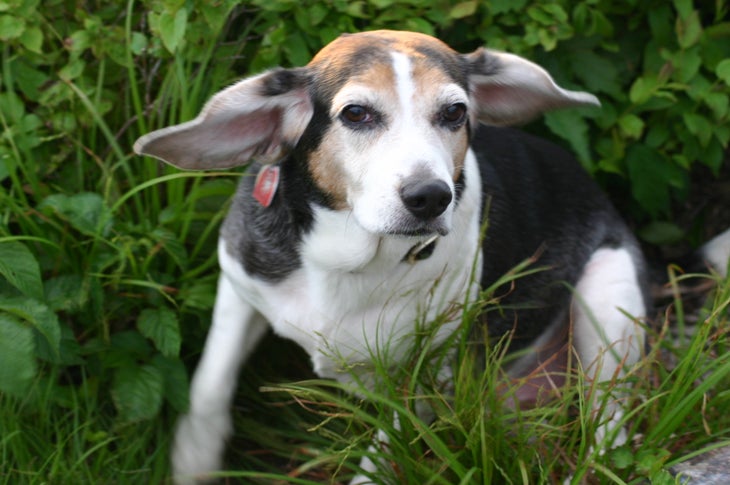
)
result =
(631, 125)
(161, 326)
(463, 9)
(17, 361)
(11, 27)
(32, 39)
(38, 315)
(172, 28)
(603, 76)
(137, 392)
(86, 211)
(571, 126)
(689, 29)
(723, 70)
(699, 126)
(649, 179)
(643, 89)
(661, 232)
(176, 386)
(20, 268)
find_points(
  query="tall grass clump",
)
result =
(108, 264)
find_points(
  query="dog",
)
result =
(376, 166)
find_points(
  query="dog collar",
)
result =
(422, 250)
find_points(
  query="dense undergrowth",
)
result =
(108, 266)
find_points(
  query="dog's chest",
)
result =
(354, 297)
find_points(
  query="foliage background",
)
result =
(107, 260)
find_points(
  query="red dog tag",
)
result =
(266, 183)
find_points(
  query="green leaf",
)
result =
(138, 43)
(571, 126)
(68, 292)
(356, 9)
(17, 362)
(172, 28)
(85, 211)
(631, 125)
(137, 392)
(622, 457)
(723, 70)
(172, 246)
(12, 106)
(463, 9)
(20, 268)
(32, 39)
(296, 50)
(504, 6)
(699, 126)
(684, 8)
(659, 232)
(649, 178)
(198, 294)
(161, 326)
(11, 27)
(687, 64)
(643, 89)
(38, 315)
(689, 30)
(176, 387)
(718, 103)
(603, 75)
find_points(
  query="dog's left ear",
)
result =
(510, 90)
(260, 117)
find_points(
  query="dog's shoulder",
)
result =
(265, 240)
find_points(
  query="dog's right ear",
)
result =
(260, 117)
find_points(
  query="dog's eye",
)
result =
(454, 114)
(355, 114)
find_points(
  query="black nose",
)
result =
(425, 199)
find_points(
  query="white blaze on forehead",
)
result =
(405, 86)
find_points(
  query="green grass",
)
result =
(107, 280)
(293, 428)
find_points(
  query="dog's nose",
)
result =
(425, 199)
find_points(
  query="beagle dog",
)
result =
(373, 171)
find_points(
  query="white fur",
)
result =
(201, 434)
(717, 252)
(608, 337)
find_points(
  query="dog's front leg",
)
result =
(201, 434)
(367, 465)
(425, 413)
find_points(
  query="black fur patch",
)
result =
(540, 203)
(282, 81)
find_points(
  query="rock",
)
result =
(710, 468)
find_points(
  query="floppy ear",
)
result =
(508, 89)
(260, 117)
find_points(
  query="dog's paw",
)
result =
(198, 448)
(361, 480)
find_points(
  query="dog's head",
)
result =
(382, 120)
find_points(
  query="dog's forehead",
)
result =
(351, 55)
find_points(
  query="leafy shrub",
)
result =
(108, 260)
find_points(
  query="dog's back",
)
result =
(540, 204)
